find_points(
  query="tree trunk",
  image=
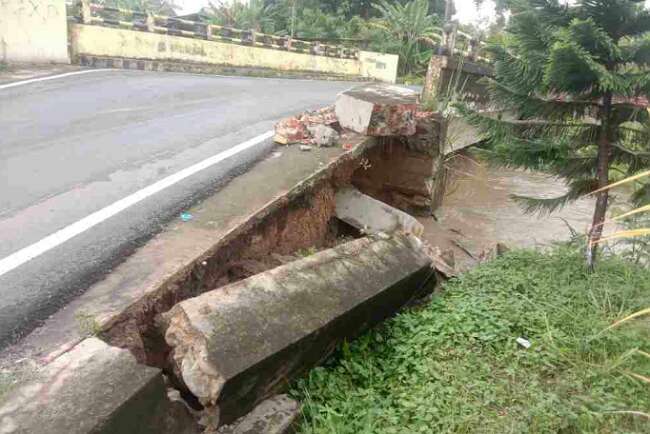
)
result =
(602, 174)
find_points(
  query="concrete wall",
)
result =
(382, 67)
(110, 42)
(33, 31)
(444, 73)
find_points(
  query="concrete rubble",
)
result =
(323, 135)
(276, 415)
(373, 216)
(237, 345)
(370, 109)
(316, 127)
(94, 388)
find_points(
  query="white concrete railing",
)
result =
(90, 13)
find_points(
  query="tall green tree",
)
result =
(575, 79)
(411, 25)
(254, 14)
(164, 7)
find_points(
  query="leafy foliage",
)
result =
(404, 27)
(454, 364)
(252, 15)
(164, 7)
(573, 79)
(411, 25)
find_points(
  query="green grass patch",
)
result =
(454, 364)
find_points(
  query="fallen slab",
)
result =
(378, 110)
(94, 388)
(239, 344)
(275, 415)
(371, 215)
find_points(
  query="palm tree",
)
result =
(164, 7)
(254, 15)
(410, 24)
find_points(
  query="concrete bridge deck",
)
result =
(74, 146)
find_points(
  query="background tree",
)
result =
(163, 7)
(412, 26)
(404, 27)
(254, 14)
(576, 78)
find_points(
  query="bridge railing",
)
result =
(462, 44)
(97, 14)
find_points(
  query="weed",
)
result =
(87, 324)
(19, 372)
(454, 365)
(7, 380)
(303, 253)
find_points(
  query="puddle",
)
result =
(477, 211)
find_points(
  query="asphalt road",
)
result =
(74, 145)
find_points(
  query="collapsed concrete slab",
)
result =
(371, 215)
(94, 388)
(378, 110)
(275, 415)
(239, 344)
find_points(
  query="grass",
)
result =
(453, 365)
(87, 324)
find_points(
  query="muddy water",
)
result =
(478, 212)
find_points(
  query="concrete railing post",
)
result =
(473, 49)
(150, 21)
(253, 37)
(208, 31)
(316, 48)
(433, 77)
(288, 43)
(86, 15)
(451, 41)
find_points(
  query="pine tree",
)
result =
(573, 83)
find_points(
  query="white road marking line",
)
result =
(51, 77)
(61, 236)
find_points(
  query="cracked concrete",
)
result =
(238, 344)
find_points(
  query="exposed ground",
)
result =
(454, 365)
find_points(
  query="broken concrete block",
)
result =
(430, 134)
(291, 130)
(371, 215)
(308, 128)
(239, 344)
(94, 388)
(273, 416)
(322, 135)
(378, 110)
(324, 116)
